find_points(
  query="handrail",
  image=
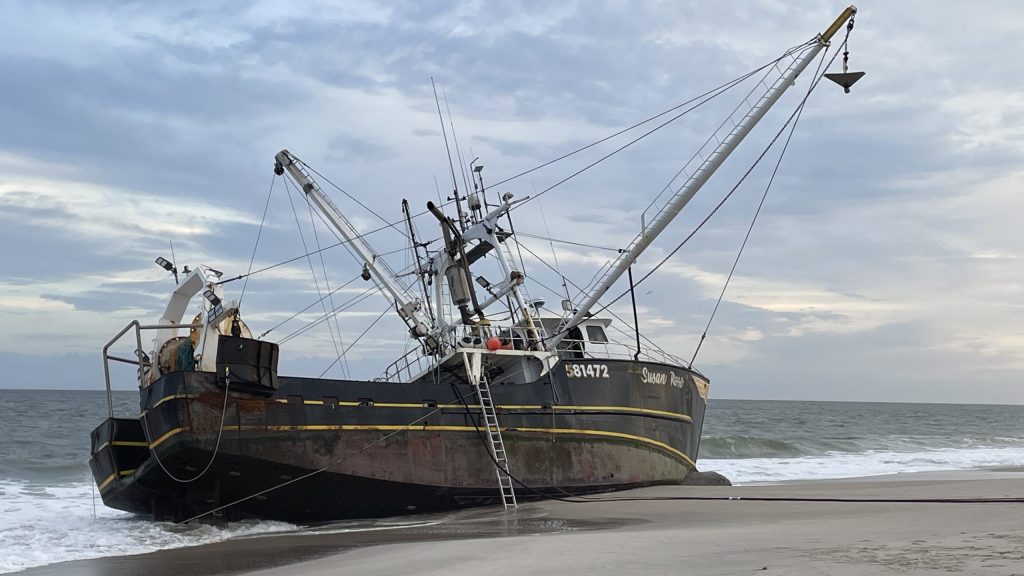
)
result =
(416, 361)
(139, 353)
(106, 363)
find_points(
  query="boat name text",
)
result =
(662, 378)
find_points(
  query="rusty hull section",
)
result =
(317, 450)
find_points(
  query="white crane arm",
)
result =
(408, 306)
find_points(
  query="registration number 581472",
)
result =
(586, 370)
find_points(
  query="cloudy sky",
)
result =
(885, 265)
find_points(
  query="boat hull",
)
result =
(317, 450)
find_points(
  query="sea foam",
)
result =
(867, 463)
(49, 524)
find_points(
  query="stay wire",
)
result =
(719, 89)
(717, 207)
(650, 342)
(358, 338)
(569, 242)
(723, 87)
(259, 233)
(314, 303)
(359, 236)
(301, 256)
(630, 143)
(356, 200)
(312, 270)
(350, 303)
(327, 284)
(753, 220)
(554, 254)
(455, 139)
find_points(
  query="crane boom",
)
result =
(408, 306)
(700, 176)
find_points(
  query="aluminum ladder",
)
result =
(490, 418)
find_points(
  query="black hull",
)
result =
(318, 450)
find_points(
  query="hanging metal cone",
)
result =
(845, 79)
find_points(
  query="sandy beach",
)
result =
(642, 532)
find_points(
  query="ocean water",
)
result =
(772, 441)
(49, 511)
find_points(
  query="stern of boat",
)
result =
(118, 449)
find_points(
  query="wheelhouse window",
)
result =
(596, 334)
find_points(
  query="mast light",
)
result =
(164, 263)
(169, 266)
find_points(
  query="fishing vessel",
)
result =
(499, 398)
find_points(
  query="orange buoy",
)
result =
(493, 344)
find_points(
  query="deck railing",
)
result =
(417, 361)
(141, 359)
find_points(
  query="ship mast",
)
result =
(699, 177)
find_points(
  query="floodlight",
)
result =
(212, 297)
(163, 263)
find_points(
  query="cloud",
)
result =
(30, 304)
(890, 235)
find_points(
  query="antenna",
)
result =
(478, 173)
(451, 124)
(554, 255)
(451, 166)
(174, 262)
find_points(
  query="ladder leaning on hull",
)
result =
(474, 370)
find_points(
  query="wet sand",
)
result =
(639, 534)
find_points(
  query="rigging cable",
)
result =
(724, 87)
(441, 204)
(257, 244)
(570, 242)
(354, 199)
(312, 270)
(722, 202)
(652, 344)
(455, 182)
(628, 144)
(554, 255)
(753, 221)
(330, 293)
(334, 312)
(314, 303)
(455, 139)
(216, 447)
(351, 302)
(358, 338)
(301, 256)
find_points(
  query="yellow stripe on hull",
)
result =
(433, 428)
(556, 408)
(111, 478)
